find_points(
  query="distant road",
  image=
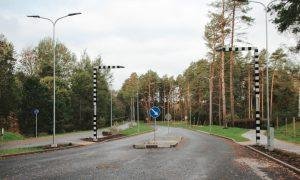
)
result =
(198, 156)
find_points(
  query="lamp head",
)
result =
(34, 16)
(73, 14)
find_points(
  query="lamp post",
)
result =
(210, 100)
(111, 94)
(137, 106)
(267, 64)
(53, 48)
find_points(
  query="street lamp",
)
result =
(210, 100)
(53, 47)
(267, 64)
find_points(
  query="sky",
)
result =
(162, 35)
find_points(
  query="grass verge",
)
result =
(230, 132)
(134, 130)
(9, 136)
(287, 133)
(20, 150)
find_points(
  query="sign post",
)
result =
(168, 117)
(154, 113)
(2, 134)
(35, 112)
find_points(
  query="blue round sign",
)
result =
(154, 112)
(35, 111)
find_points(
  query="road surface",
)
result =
(198, 156)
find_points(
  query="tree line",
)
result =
(27, 83)
(187, 95)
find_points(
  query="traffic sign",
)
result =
(154, 112)
(35, 111)
(168, 117)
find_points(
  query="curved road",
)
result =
(198, 156)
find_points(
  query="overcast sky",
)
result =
(161, 35)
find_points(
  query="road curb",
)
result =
(63, 148)
(39, 151)
(293, 168)
(123, 137)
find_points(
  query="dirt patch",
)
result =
(262, 166)
(107, 166)
(59, 146)
(105, 138)
(287, 157)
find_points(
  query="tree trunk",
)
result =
(211, 82)
(231, 68)
(222, 66)
(249, 94)
(271, 93)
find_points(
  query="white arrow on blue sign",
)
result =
(154, 112)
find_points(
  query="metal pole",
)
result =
(133, 108)
(137, 106)
(267, 74)
(138, 112)
(210, 104)
(111, 94)
(154, 129)
(190, 109)
(54, 59)
(36, 125)
(299, 103)
(95, 103)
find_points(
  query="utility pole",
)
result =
(133, 109)
(148, 101)
(111, 94)
(164, 115)
(210, 103)
(137, 107)
(190, 108)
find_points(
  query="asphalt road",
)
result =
(198, 156)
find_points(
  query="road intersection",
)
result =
(198, 156)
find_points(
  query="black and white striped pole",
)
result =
(256, 83)
(95, 70)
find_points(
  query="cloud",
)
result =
(162, 35)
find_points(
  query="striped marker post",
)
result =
(95, 70)
(256, 83)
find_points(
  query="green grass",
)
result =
(134, 130)
(9, 136)
(231, 132)
(20, 150)
(288, 135)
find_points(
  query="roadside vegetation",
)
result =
(230, 132)
(9, 136)
(134, 130)
(287, 133)
(20, 150)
